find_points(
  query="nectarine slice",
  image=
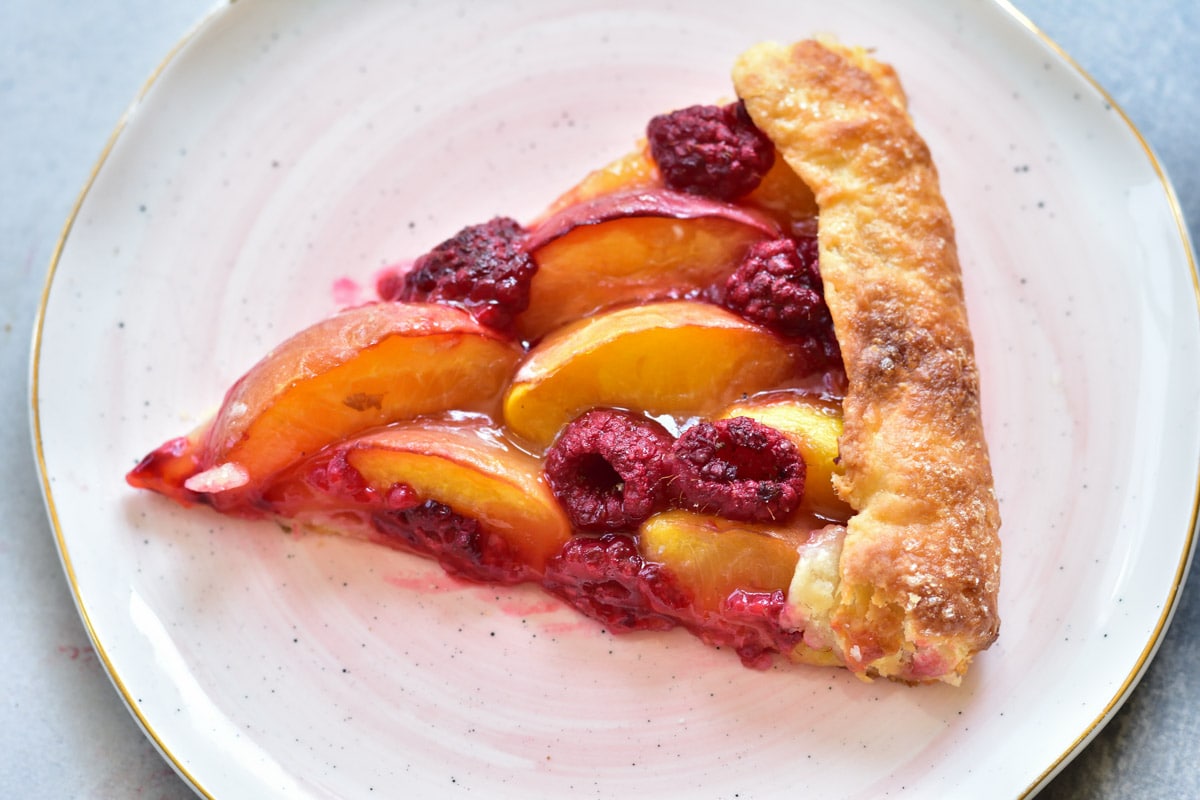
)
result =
(635, 170)
(471, 469)
(677, 357)
(639, 245)
(815, 427)
(362, 368)
(166, 468)
(787, 198)
(711, 556)
(627, 259)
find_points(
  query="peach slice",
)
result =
(815, 427)
(639, 246)
(712, 556)
(470, 468)
(781, 194)
(359, 369)
(677, 357)
(166, 468)
(647, 202)
(631, 171)
(787, 198)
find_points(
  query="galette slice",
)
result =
(725, 383)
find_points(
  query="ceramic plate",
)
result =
(286, 151)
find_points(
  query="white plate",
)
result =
(285, 146)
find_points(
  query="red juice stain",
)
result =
(347, 292)
(428, 583)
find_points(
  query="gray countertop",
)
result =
(68, 70)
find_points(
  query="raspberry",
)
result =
(778, 285)
(482, 268)
(710, 150)
(610, 469)
(608, 580)
(740, 469)
(820, 350)
(390, 285)
(750, 625)
(336, 477)
(460, 544)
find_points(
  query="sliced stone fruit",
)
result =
(712, 557)
(678, 358)
(466, 465)
(362, 368)
(633, 246)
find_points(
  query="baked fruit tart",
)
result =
(724, 383)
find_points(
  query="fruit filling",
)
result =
(482, 268)
(715, 151)
(608, 580)
(751, 626)
(778, 285)
(739, 469)
(634, 402)
(458, 543)
(610, 469)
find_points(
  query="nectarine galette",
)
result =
(725, 383)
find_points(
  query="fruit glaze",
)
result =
(634, 401)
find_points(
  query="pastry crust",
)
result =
(918, 575)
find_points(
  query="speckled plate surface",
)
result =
(286, 151)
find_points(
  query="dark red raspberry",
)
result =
(778, 285)
(390, 285)
(740, 469)
(460, 544)
(608, 580)
(334, 476)
(710, 150)
(820, 350)
(482, 268)
(750, 625)
(610, 469)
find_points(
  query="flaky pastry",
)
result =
(919, 567)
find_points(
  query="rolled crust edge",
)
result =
(919, 568)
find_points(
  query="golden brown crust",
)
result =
(919, 569)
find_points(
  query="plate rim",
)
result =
(1181, 572)
(35, 422)
(1076, 746)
